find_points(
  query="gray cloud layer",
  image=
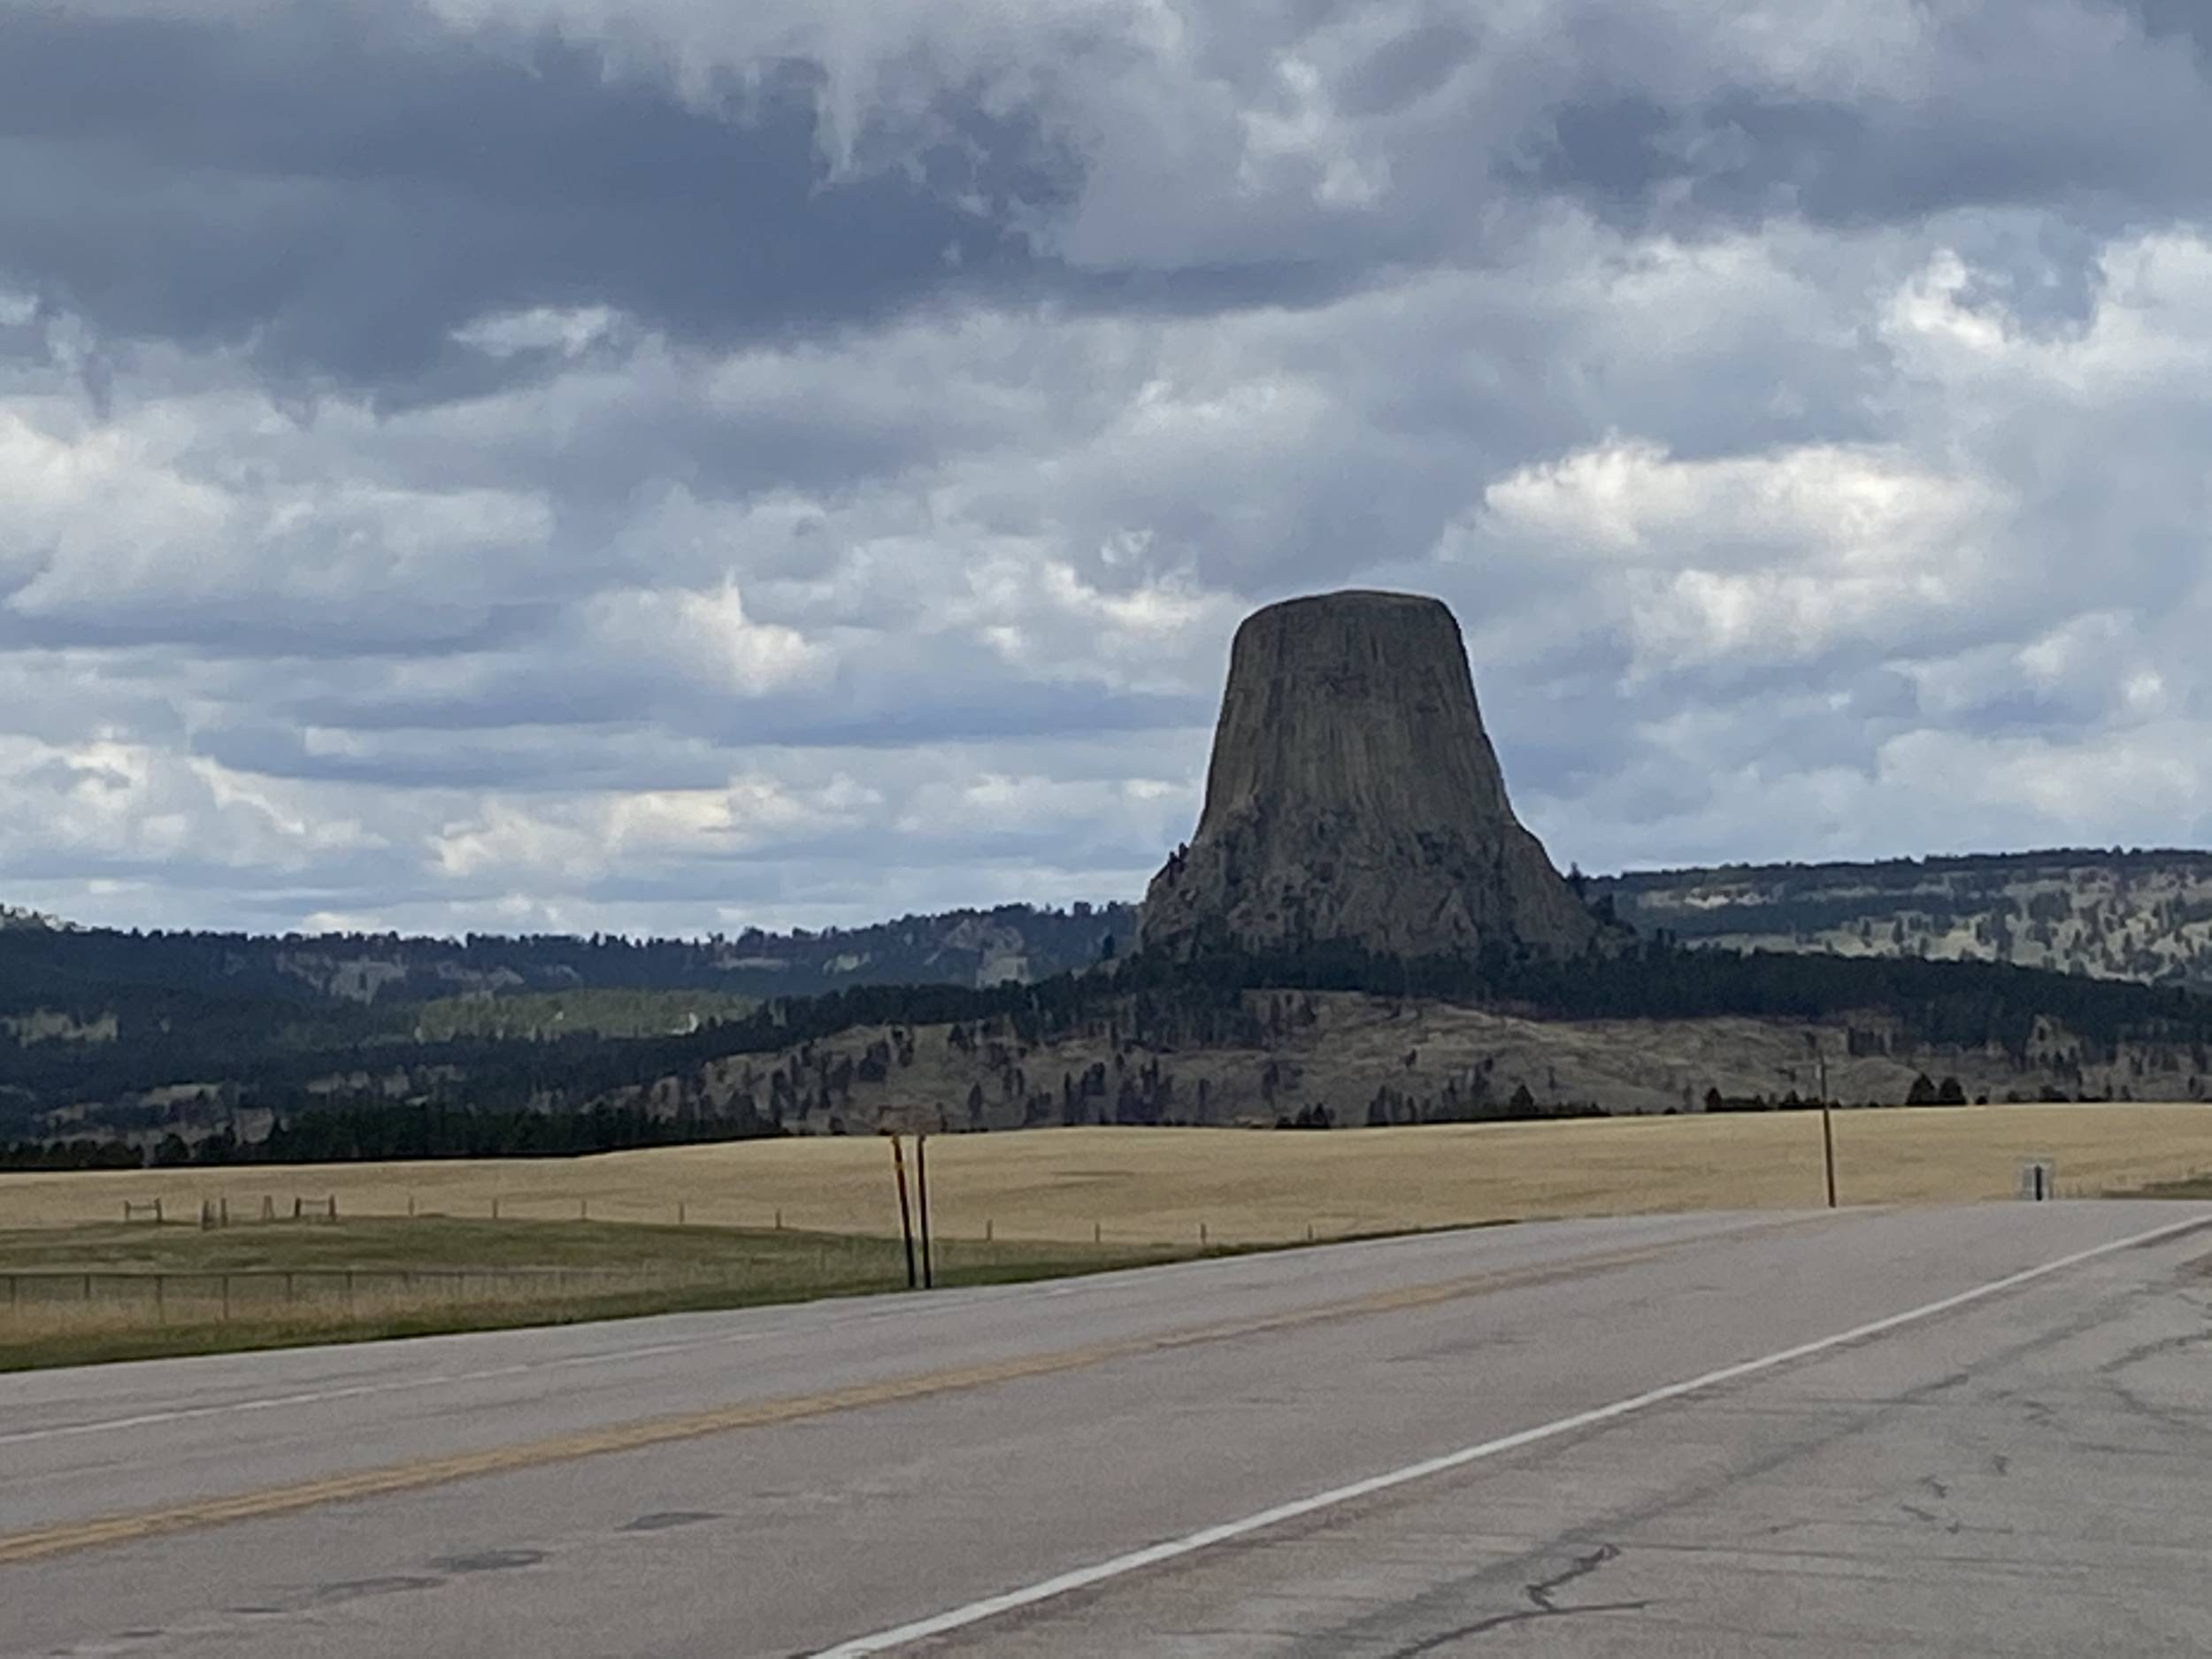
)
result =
(534, 463)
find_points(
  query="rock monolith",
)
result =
(1354, 797)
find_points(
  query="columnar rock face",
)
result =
(1355, 796)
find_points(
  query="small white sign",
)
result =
(2038, 1178)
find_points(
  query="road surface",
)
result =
(1972, 1431)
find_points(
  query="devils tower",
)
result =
(1353, 796)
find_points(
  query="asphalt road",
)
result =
(1973, 1431)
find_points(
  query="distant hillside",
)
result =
(365, 1045)
(1319, 1037)
(51, 968)
(2113, 915)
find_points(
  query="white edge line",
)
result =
(1206, 1537)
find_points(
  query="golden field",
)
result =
(1244, 1186)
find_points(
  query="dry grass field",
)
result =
(109, 1290)
(1246, 1186)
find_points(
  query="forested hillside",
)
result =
(2136, 915)
(1325, 1037)
(73, 968)
(1900, 976)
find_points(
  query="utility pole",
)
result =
(1827, 1133)
(921, 1188)
(906, 1217)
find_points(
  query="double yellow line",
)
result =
(412, 1477)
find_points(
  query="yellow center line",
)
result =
(413, 1476)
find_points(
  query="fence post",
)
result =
(1202, 1235)
(494, 1206)
(1098, 1233)
(680, 1212)
(779, 1219)
(161, 1298)
(225, 1202)
(583, 1209)
(156, 1211)
(986, 1229)
(226, 1299)
(334, 1206)
(296, 1206)
(411, 1206)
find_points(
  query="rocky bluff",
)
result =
(1353, 796)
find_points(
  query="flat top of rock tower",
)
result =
(1354, 599)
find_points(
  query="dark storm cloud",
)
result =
(347, 189)
(1745, 157)
(1407, 68)
(2186, 20)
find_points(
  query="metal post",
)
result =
(906, 1219)
(921, 1189)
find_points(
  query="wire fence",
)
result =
(266, 1209)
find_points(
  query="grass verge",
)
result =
(81, 1295)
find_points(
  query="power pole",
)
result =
(906, 1218)
(921, 1188)
(1827, 1133)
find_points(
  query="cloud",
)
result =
(539, 463)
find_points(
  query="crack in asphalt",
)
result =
(1542, 1594)
(1859, 1423)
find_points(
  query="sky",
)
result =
(669, 466)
